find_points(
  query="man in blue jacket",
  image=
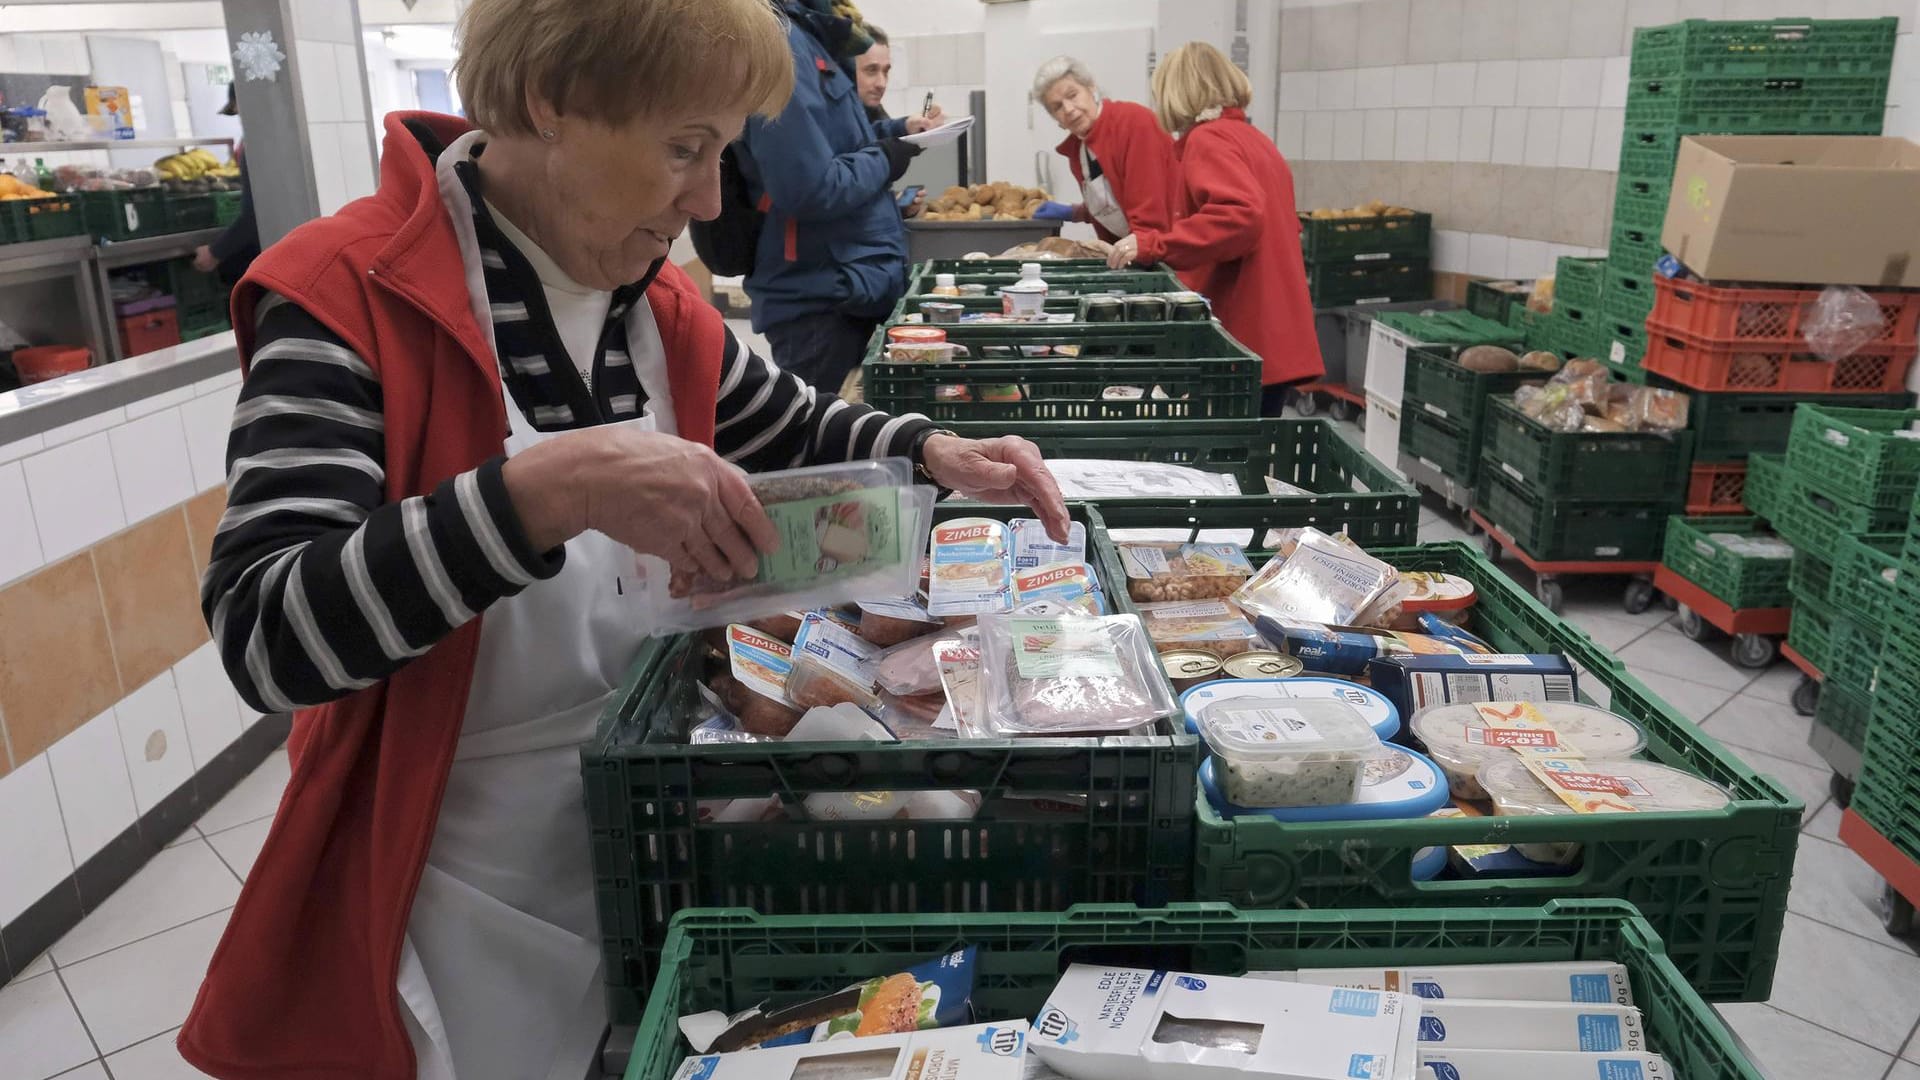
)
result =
(832, 255)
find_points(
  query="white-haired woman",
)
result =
(1125, 164)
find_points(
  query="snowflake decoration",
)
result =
(258, 57)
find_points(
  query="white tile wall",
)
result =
(353, 92)
(1595, 27)
(1576, 138)
(207, 419)
(85, 426)
(323, 20)
(1450, 251)
(1509, 136)
(1453, 84)
(1373, 88)
(329, 177)
(1413, 86)
(1443, 135)
(1380, 135)
(356, 161)
(96, 793)
(1338, 89)
(36, 857)
(208, 703)
(1476, 134)
(153, 735)
(1528, 259)
(1290, 135)
(1487, 255)
(76, 496)
(1580, 82)
(1609, 127)
(1349, 136)
(1410, 135)
(319, 76)
(20, 448)
(19, 544)
(1543, 137)
(1297, 90)
(1495, 82)
(1537, 83)
(1319, 136)
(150, 456)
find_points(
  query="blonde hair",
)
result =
(614, 60)
(1192, 79)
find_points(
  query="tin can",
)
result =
(1262, 664)
(1189, 667)
(941, 312)
(1102, 309)
(973, 288)
(1147, 308)
(1188, 307)
(921, 334)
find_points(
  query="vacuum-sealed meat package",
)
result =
(848, 532)
(1323, 581)
(1069, 673)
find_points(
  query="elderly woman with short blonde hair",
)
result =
(470, 399)
(1125, 165)
(1236, 236)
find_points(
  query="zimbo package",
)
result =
(1104, 1023)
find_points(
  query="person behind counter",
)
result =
(1128, 173)
(1237, 240)
(239, 243)
(872, 70)
(469, 400)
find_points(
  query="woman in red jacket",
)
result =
(1237, 237)
(1124, 163)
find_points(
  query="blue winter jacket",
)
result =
(833, 238)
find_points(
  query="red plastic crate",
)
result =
(1754, 367)
(1717, 489)
(1766, 316)
(149, 330)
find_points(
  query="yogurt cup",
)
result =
(1379, 712)
(1461, 738)
(1310, 752)
(1024, 300)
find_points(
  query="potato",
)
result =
(1489, 358)
(1540, 360)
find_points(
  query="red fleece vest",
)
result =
(302, 984)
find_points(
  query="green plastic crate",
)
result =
(1445, 446)
(1857, 454)
(1811, 632)
(203, 318)
(1844, 711)
(1629, 291)
(1887, 788)
(227, 207)
(1650, 154)
(1866, 575)
(1623, 337)
(1759, 104)
(1765, 47)
(1130, 840)
(728, 961)
(1488, 300)
(1438, 385)
(1728, 427)
(23, 221)
(1634, 245)
(1714, 883)
(1586, 466)
(1810, 578)
(1641, 203)
(128, 214)
(1201, 373)
(1853, 653)
(1578, 281)
(1742, 582)
(1333, 240)
(1568, 530)
(1808, 517)
(1570, 331)
(1011, 267)
(1354, 493)
(1386, 281)
(1063, 281)
(1450, 328)
(186, 213)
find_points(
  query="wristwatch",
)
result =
(918, 452)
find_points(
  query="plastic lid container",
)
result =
(1030, 271)
(1456, 737)
(1437, 592)
(1309, 752)
(1379, 712)
(1429, 863)
(943, 281)
(1395, 783)
(1652, 788)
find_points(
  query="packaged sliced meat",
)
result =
(908, 668)
(1323, 581)
(1032, 548)
(1070, 673)
(848, 532)
(959, 664)
(1160, 572)
(969, 570)
(1053, 590)
(831, 666)
(756, 690)
(885, 623)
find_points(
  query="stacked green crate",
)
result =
(1841, 496)
(1887, 791)
(1444, 407)
(1383, 259)
(1768, 77)
(1573, 327)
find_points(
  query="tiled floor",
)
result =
(108, 998)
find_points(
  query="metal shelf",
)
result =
(106, 144)
(63, 255)
(153, 248)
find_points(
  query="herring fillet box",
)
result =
(1531, 1025)
(981, 1052)
(1540, 1065)
(1104, 1023)
(1593, 982)
(1821, 209)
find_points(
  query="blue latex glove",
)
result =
(1053, 211)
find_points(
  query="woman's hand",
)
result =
(655, 493)
(1007, 469)
(1124, 253)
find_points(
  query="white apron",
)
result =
(500, 969)
(1097, 194)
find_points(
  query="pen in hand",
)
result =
(927, 109)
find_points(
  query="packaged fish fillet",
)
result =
(934, 994)
(848, 532)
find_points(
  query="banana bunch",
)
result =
(192, 165)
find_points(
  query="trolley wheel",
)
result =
(1672, 604)
(1306, 404)
(1806, 696)
(1896, 912)
(1754, 650)
(1467, 524)
(1341, 409)
(1841, 788)
(1639, 596)
(1491, 547)
(1550, 593)
(1693, 626)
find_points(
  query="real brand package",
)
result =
(1104, 1023)
(1416, 683)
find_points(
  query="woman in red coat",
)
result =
(1237, 237)
(1125, 164)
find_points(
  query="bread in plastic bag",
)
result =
(1586, 382)
(1069, 673)
(1323, 581)
(1653, 409)
(848, 532)
(1160, 572)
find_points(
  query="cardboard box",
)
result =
(1417, 683)
(1105, 1023)
(1540, 1065)
(1531, 1025)
(110, 112)
(1566, 981)
(982, 1052)
(1814, 209)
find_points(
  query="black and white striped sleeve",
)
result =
(318, 586)
(768, 419)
